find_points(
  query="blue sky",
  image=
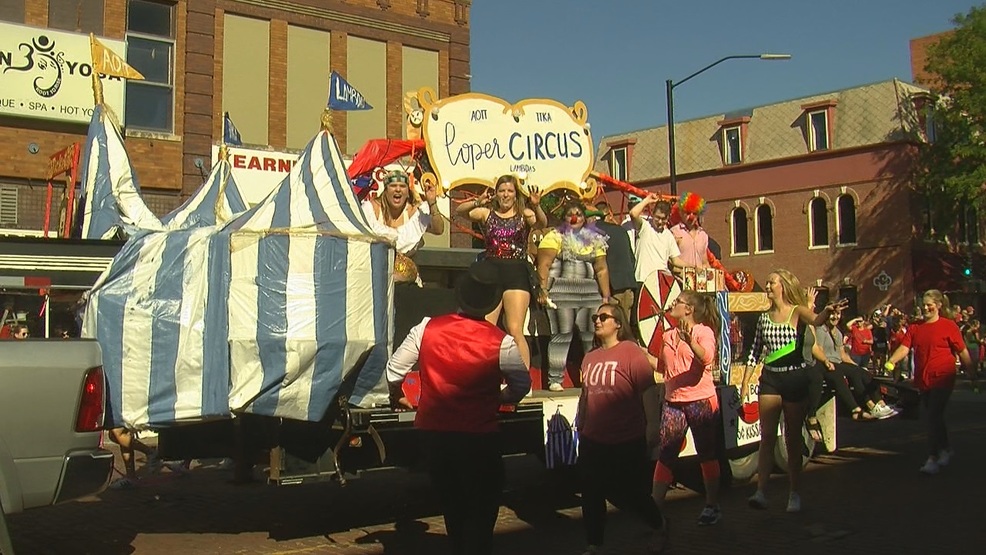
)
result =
(615, 55)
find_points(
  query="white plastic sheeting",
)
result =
(268, 313)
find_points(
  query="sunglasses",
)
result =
(601, 317)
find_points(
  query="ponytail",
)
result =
(706, 311)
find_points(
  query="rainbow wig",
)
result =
(691, 203)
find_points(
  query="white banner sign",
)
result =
(257, 172)
(48, 74)
(475, 138)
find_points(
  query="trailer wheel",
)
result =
(780, 449)
(743, 468)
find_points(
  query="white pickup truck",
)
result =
(52, 401)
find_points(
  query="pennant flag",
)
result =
(231, 135)
(107, 62)
(343, 96)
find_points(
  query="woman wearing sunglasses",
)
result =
(613, 459)
(687, 358)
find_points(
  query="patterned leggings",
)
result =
(676, 418)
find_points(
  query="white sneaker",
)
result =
(758, 501)
(930, 467)
(556, 387)
(794, 503)
(944, 457)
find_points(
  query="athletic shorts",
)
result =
(791, 385)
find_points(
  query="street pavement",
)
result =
(867, 497)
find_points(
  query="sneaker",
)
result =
(123, 483)
(556, 387)
(758, 501)
(711, 514)
(944, 457)
(794, 503)
(154, 462)
(888, 412)
(930, 467)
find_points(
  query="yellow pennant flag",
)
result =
(107, 62)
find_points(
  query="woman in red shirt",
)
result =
(613, 458)
(936, 342)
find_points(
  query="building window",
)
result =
(739, 231)
(818, 223)
(151, 51)
(969, 226)
(765, 229)
(845, 217)
(81, 16)
(12, 11)
(8, 205)
(818, 130)
(618, 163)
(732, 146)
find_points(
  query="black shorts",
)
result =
(792, 385)
(514, 273)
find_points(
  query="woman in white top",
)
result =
(399, 210)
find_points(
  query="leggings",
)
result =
(863, 387)
(934, 402)
(676, 418)
(620, 473)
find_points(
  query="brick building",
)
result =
(266, 62)
(817, 185)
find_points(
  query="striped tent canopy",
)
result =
(275, 312)
(110, 203)
(215, 202)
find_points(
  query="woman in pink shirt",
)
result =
(687, 359)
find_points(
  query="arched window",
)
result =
(740, 231)
(845, 213)
(765, 229)
(818, 223)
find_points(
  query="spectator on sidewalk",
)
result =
(613, 459)
(853, 386)
(860, 342)
(935, 342)
(462, 359)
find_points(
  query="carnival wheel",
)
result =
(657, 294)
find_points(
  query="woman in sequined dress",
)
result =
(507, 223)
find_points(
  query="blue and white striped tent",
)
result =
(217, 201)
(110, 201)
(267, 313)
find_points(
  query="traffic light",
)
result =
(967, 271)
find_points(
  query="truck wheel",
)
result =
(780, 450)
(743, 468)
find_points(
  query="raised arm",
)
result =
(476, 209)
(437, 224)
(637, 212)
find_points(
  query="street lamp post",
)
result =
(670, 85)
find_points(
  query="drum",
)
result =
(657, 295)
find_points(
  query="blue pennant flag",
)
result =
(231, 135)
(343, 96)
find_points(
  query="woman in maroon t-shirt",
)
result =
(936, 342)
(613, 459)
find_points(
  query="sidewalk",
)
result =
(866, 498)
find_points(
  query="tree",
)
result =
(951, 165)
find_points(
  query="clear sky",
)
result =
(615, 55)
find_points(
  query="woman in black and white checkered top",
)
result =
(784, 379)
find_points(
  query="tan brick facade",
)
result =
(171, 166)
